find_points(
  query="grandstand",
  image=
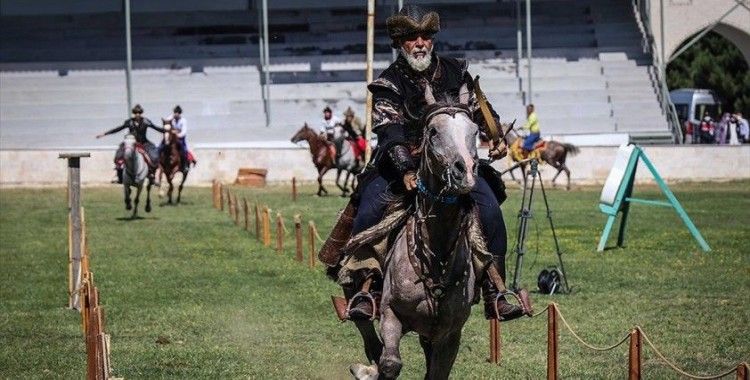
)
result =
(61, 76)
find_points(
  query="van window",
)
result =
(683, 111)
(700, 109)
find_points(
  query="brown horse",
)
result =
(553, 152)
(323, 155)
(170, 162)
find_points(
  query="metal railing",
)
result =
(658, 72)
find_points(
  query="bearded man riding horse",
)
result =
(398, 105)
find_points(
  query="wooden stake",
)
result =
(236, 211)
(743, 371)
(244, 211)
(294, 189)
(311, 230)
(214, 196)
(266, 226)
(495, 344)
(279, 233)
(229, 202)
(298, 237)
(221, 196)
(552, 342)
(635, 360)
(257, 222)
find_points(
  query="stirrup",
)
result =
(367, 296)
(523, 300)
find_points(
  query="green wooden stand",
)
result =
(623, 198)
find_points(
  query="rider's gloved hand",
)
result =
(410, 180)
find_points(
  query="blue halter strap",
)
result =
(447, 199)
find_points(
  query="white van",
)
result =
(691, 104)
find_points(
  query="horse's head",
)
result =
(303, 133)
(450, 162)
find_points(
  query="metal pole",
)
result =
(519, 41)
(266, 60)
(395, 51)
(528, 47)
(128, 58)
(370, 53)
(262, 64)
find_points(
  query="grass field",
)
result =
(224, 306)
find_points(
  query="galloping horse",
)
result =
(553, 152)
(429, 280)
(170, 161)
(324, 158)
(134, 174)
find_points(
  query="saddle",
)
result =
(139, 148)
(519, 154)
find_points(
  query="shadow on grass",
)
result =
(138, 217)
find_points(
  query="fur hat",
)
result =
(410, 20)
(137, 109)
(349, 112)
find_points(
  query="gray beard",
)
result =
(418, 64)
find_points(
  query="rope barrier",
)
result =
(587, 345)
(678, 370)
(541, 312)
(315, 230)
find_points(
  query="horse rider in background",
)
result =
(353, 127)
(398, 102)
(179, 124)
(532, 125)
(329, 123)
(137, 126)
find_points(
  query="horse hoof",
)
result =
(128, 206)
(364, 372)
(148, 208)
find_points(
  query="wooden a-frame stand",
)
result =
(618, 190)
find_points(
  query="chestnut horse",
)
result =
(170, 162)
(554, 153)
(323, 153)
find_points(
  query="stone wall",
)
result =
(675, 163)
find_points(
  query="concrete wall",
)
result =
(684, 18)
(592, 165)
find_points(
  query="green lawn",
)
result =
(230, 308)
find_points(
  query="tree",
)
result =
(714, 63)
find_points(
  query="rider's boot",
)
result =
(361, 307)
(505, 311)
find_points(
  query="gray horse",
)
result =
(429, 282)
(346, 160)
(134, 175)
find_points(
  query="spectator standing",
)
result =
(744, 128)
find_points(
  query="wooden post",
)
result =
(229, 202)
(266, 226)
(298, 237)
(236, 215)
(635, 359)
(257, 222)
(311, 231)
(75, 235)
(221, 196)
(369, 75)
(279, 233)
(214, 195)
(294, 189)
(244, 211)
(743, 371)
(495, 344)
(552, 346)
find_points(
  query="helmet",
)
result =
(177, 109)
(327, 109)
(410, 20)
(137, 109)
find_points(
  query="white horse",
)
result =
(135, 174)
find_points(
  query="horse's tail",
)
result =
(571, 149)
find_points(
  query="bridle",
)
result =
(427, 146)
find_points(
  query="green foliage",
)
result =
(714, 63)
(189, 295)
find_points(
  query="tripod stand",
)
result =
(524, 215)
